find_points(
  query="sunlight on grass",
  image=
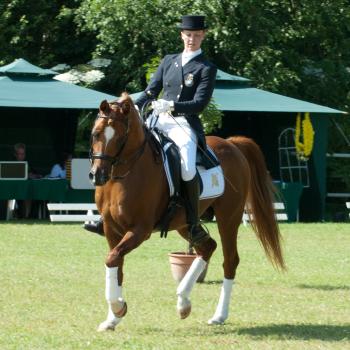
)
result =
(52, 292)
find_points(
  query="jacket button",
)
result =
(178, 96)
(181, 86)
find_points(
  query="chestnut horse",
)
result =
(132, 194)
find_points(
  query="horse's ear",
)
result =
(104, 106)
(126, 103)
(126, 107)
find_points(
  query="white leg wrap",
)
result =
(114, 299)
(113, 290)
(222, 308)
(185, 287)
(187, 283)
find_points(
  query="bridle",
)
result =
(121, 143)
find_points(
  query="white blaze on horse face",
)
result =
(109, 133)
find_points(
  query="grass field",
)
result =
(52, 292)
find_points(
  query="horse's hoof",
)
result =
(183, 307)
(216, 321)
(185, 312)
(106, 326)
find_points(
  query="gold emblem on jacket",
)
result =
(189, 80)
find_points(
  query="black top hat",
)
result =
(192, 22)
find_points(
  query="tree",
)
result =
(43, 32)
(296, 48)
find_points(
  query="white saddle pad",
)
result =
(213, 181)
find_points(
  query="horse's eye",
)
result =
(96, 135)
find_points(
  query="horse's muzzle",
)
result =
(98, 176)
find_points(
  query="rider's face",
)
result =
(192, 39)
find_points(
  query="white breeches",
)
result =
(184, 137)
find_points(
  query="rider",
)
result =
(187, 80)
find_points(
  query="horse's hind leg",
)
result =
(228, 229)
(204, 250)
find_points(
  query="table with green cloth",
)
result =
(36, 189)
(46, 190)
(290, 193)
(53, 190)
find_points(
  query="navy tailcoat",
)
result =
(190, 87)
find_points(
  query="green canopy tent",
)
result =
(40, 111)
(263, 115)
(25, 85)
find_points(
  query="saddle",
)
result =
(208, 168)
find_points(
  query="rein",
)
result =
(133, 158)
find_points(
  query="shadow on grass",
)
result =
(275, 331)
(302, 331)
(324, 287)
(211, 282)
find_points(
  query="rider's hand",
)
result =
(162, 106)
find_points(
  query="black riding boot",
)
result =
(95, 227)
(196, 233)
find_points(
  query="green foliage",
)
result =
(151, 67)
(211, 117)
(43, 32)
(131, 33)
(301, 49)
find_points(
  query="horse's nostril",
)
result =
(91, 175)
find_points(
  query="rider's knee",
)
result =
(188, 174)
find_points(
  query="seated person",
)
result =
(59, 169)
(24, 207)
(19, 152)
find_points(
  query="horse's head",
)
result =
(109, 137)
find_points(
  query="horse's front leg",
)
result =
(117, 306)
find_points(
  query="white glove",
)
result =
(162, 106)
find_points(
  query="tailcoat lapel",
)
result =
(177, 66)
(190, 66)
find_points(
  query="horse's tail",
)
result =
(260, 200)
